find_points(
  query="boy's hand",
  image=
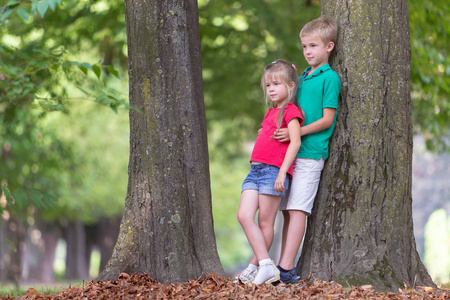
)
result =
(282, 135)
(279, 182)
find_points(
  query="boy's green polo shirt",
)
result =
(316, 92)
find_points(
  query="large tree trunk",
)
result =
(361, 229)
(167, 228)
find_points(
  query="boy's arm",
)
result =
(291, 152)
(325, 122)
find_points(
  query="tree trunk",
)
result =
(76, 266)
(108, 232)
(50, 235)
(38, 255)
(361, 229)
(12, 245)
(93, 239)
(167, 228)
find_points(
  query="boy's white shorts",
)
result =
(303, 188)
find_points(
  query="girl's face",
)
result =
(277, 90)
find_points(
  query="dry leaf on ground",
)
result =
(142, 286)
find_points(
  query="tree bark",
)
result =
(361, 229)
(167, 228)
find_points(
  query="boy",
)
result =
(318, 94)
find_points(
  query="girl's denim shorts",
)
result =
(262, 178)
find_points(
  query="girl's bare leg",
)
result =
(248, 207)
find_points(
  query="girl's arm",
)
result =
(282, 135)
(294, 145)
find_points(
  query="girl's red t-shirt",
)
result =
(267, 149)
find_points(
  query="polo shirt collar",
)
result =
(317, 72)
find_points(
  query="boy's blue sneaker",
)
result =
(289, 277)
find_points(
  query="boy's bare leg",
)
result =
(284, 231)
(293, 232)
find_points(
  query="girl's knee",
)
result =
(240, 218)
(266, 223)
(243, 218)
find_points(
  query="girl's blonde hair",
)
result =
(286, 73)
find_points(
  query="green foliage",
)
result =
(28, 152)
(95, 184)
(238, 39)
(50, 63)
(29, 74)
(37, 56)
(430, 71)
(23, 198)
(43, 163)
(37, 7)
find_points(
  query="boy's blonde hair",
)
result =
(323, 27)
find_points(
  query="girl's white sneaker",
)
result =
(247, 276)
(267, 273)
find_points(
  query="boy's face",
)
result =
(316, 52)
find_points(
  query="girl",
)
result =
(270, 161)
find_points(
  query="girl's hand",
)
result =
(279, 182)
(282, 135)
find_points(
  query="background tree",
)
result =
(361, 229)
(167, 229)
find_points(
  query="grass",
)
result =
(46, 288)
